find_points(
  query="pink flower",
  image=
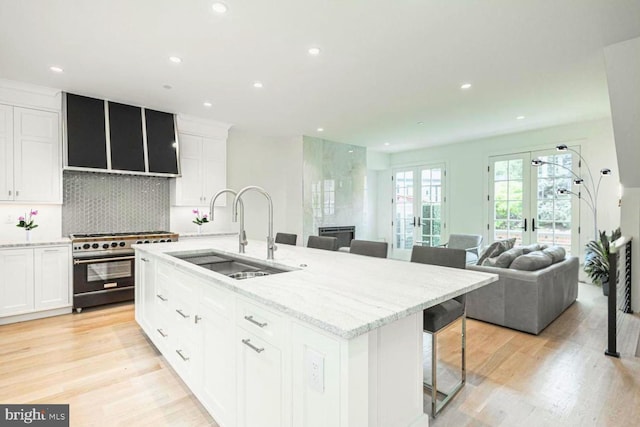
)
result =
(34, 212)
(20, 218)
(195, 211)
(204, 216)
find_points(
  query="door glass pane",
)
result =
(431, 204)
(108, 270)
(553, 224)
(403, 222)
(508, 183)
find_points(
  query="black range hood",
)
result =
(106, 136)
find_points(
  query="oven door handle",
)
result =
(93, 261)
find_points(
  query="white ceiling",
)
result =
(384, 65)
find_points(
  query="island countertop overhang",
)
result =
(343, 294)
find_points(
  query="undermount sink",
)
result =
(235, 268)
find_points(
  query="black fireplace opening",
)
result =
(344, 234)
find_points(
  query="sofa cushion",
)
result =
(532, 248)
(496, 248)
(557, 253)
(505, 259)
(532, 261)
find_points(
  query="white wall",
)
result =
(49, 220)
(274, 164)
(468, 181)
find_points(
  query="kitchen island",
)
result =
(334, 340)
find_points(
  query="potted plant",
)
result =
(596, 262)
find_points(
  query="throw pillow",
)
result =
(556, 253)
(505, 259)
(532, 261)
(530, 248)
(496, 248)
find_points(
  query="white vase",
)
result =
(199, 228)
(28, 235)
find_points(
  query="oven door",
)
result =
(103, 273)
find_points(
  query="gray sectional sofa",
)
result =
(525, 300)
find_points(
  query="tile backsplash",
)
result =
(99, 202)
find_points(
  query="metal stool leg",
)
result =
(433, 387)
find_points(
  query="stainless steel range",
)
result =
(104, 265)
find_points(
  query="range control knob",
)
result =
(121, 244)
(114, 244)
(146, 241)
(95, 246)
(161, 240)
(138, 242)
(86, 246)
(105, 246)
(168, 240)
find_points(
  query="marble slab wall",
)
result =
(334, 176)
(99, 202)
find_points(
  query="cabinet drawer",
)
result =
(183, 358)
(260, 321)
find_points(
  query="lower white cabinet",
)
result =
(34, 280)
(259, 382)
(218, 388)
(16, 281)
(51, 277)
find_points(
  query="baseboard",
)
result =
(35, 315)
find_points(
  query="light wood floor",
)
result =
(101, 364)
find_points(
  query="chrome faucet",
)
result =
(234, 215)
(242, 235)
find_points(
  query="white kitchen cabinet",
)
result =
(6, 152)
(35, 282)
(218, 388)
(30, 158)
(16, 281)
(203, 171)
(145, 295)
(51, 277)
(260, 388)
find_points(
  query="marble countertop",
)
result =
(34, 243)
(342, 293)
(209, 234)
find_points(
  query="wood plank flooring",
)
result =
(100, 363)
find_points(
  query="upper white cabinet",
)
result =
(29, 155)
(204, 171)
(203, 162)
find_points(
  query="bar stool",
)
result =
(369, 248)
(323, 242)
(437, 318)
(287, 238)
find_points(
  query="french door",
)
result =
(524, 201)
(418, 208)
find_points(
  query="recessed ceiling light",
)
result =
(219, 7)
(420, 123)
(257, 84)
(167, 87)
(56, 69)
(465, 86)
(175, 59)
(520, 118)
(320, 129)
(351, 151)
(207, 104)
(314, 51)
(387, 144)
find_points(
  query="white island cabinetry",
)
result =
(335, 340)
